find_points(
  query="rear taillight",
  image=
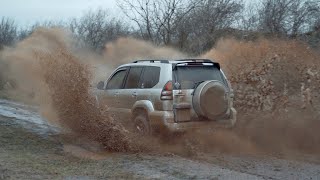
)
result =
(166, 93)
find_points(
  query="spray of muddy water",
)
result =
(60, 84)
(50, 71)
(275, 85)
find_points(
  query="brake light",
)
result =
(166, 93)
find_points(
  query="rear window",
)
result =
(150, 77)
(190, 76)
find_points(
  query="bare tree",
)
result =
(140, 12)
(168, 17)
(273, 16)
(8, 32)
(157, 20)
(97, 28)
(287, 16)
(301, 12)
(207, 22)
(315, 19)
(316, 25)
(249, 19)
(23, 33)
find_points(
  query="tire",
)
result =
(141, 123)
(211, 100)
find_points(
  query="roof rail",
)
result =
(152, 61)
(197, 60)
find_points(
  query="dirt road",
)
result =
(32, 149)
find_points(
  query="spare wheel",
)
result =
(211, 100)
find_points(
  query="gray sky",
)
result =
(27, 12)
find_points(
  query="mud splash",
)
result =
(68, 82)
(50, 71)
(60, 83)
(126, 50)
(276, 86)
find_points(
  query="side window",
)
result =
(117, 79)
(151, 77)
(133, 80)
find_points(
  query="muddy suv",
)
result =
(176, 95)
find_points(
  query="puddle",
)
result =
(26, 116)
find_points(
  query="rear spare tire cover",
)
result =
(210, 100)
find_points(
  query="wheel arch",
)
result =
(143, 105)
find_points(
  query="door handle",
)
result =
(134, 94)
(116, 94)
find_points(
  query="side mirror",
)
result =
(100, 85)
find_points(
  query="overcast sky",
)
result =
(27, 12)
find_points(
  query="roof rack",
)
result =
(197, 61)
(152, 61)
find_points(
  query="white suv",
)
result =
(177, 95)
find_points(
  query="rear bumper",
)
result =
(162, 119)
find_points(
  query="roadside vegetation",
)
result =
(192, 26)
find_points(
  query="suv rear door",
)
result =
(138, 86)
(189, 76)
(128, 95)
(149, 79)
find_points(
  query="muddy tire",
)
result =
(141, 123)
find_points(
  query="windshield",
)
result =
(190, 76)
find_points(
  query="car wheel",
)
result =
(141, 124)
(211, 100)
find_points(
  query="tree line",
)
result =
(192, 26)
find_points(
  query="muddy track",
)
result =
(32, 149)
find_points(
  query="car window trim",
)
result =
(142, 76)
(118, 70)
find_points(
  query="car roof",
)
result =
(174, 61)
(162, 62)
